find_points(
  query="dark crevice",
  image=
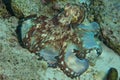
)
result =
(8, 6)
(18, 32)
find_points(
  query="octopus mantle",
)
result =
(61, 41)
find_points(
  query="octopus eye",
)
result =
(75, 51)
(78, 54)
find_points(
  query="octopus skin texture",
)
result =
(61, 40)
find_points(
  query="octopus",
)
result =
(62, 41)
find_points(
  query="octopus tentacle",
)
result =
(88, 39)
(70, 64)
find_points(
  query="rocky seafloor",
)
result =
(17, 63)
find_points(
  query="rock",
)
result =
(16, 62)
(3, 10)
(94, 10)
(106, 14)
(111, 24)
(23, 8)
(1, 47)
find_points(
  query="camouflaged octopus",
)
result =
(62, 40)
